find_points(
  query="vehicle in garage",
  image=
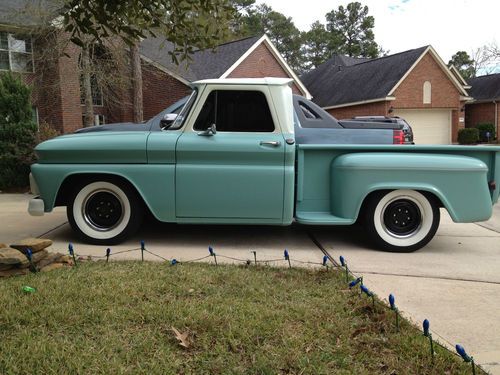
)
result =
(231, 156)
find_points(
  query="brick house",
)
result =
(56, 95)
(253, 57)
(414, 84)
(484, 107)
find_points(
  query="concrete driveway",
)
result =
(454, 281)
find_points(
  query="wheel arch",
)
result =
(433, 195)
(67, 186)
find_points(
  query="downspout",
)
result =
(496, 119)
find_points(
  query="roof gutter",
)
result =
(384, 99)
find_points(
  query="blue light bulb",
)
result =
(342, 261)
(392, 301)
(426, 326)
(325, 259)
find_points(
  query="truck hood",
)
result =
(95, 147)
(117, 127)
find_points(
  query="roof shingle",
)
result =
(342, 80)
(485, 87)
(204, 64)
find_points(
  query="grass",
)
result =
(116, 318)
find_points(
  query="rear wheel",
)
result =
(104, 212)
(401, 220)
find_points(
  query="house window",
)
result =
(16, 52)
(96, 90)
(427, 92)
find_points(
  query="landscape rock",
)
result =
(50, 258)
(35, 244)
(4, 267)
(2, 245)
(53, 266)
(38, 256)
(64, 259)
(14, 272)
(11, 256)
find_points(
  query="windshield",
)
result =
(179, 121)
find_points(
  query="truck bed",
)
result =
(333, 180)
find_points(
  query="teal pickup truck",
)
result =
(231, 156)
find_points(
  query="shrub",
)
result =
(17, 131)
(486, 128)
(45, 132)
(468, 136)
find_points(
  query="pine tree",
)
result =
(17, 131)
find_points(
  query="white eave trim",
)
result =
(385, 99)
(443, 66)
(165, 70)
(459, 76)
(466, 98)
(278, 57)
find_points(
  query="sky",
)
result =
(449, 26)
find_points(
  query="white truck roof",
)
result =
(270, 81)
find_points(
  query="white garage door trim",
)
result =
(430, 126)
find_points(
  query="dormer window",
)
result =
(427, 92)
(16, 52)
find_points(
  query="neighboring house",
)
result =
(415, 85)
(485, 107)
(253, 57)
(56, 93)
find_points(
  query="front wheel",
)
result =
(401, 220)
(104, 212)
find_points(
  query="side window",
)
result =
(235, 111)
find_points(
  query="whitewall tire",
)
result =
(104, 212)
(401, 220)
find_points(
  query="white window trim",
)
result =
(427, 92)
(9, 51)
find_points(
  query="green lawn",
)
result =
(116, 318)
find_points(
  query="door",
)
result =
(430, 126)
(237, 172)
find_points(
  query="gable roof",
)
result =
(343, 81)
(485, 88)
(211, 63)
(332, 84)
(207, 63)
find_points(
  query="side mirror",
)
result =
(167, 120)
(211, 130)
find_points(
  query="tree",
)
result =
(188, 24)
(316, 45)
(351, 31)
(280, 29)
(464, 64)
(17, 131)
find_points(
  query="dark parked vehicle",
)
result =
(403, 125)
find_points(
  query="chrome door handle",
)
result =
(270, 143)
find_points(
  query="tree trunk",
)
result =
(135, 61)
(87, 88)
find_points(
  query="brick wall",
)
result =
(160, 90)
(410, 93)
(262, 63)
(478, 113)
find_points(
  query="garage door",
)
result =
(430, 126)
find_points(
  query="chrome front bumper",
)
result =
(36, 207)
